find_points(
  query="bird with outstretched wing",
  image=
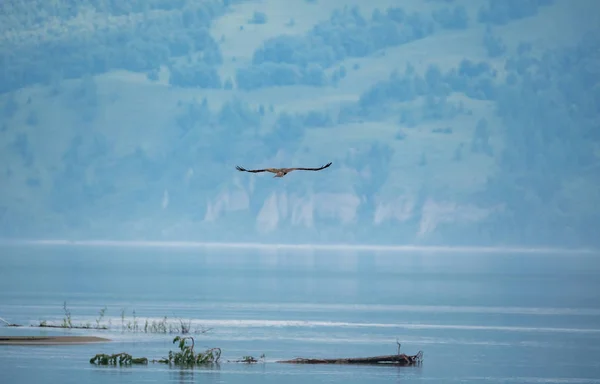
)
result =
(280, 172)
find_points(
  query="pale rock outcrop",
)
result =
(432, 214)
(282, 208)
(400, 209)
(227, 201)
(342, 206)
(302, 212)
(437, 212)
(268, 217)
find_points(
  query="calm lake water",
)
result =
(478, 317)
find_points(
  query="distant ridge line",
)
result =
(355, 247)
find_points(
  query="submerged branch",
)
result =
(9, 324)
(46, 325)
(399, 359)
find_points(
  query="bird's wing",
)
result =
(256, 170)
(308, 169)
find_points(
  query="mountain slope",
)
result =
(446, 123)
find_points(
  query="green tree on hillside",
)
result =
(284, 59)
(550, 146)
(135, 42)
(501, 12)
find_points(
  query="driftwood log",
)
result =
(398, 359)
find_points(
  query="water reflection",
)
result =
(208, 374)
(115, 370)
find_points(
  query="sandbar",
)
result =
(50, 340)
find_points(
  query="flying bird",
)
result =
(280, 172)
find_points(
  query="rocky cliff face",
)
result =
(284, 209)
(435, 213)
(229, 201)
(304, 211)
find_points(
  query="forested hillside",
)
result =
(447, 121)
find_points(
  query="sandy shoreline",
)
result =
(50, 340)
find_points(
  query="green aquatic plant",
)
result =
(163, 325)
(117, 359)
(159, 326)
(123, 319)
(185, 328)
(100, 317)
(68, 323)
(185, 357)
(188, 357)
(135, 322)
(250, 359)
(67, 319)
